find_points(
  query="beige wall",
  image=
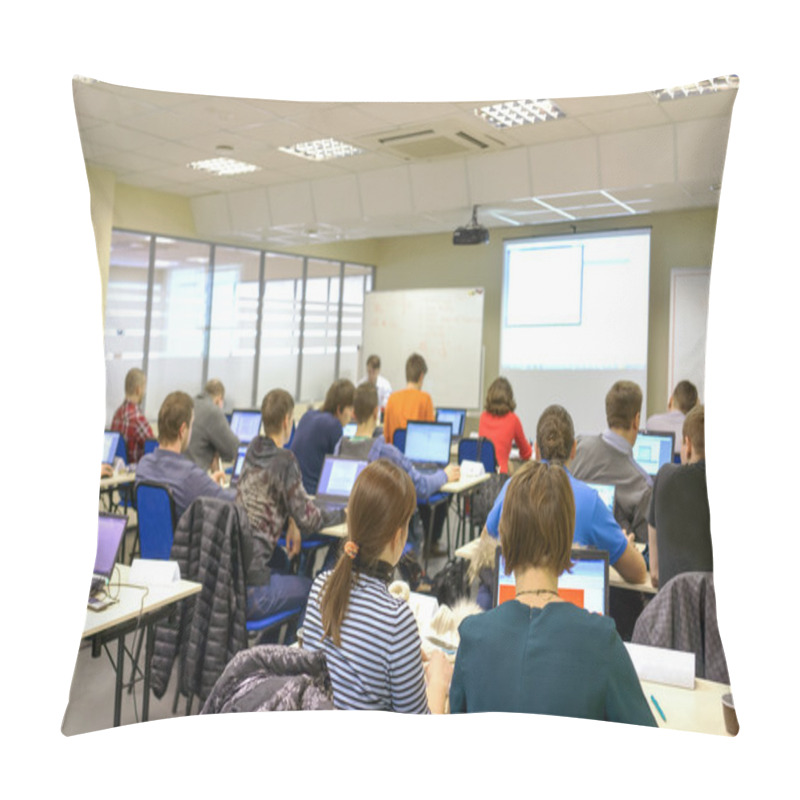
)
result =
(679, 239)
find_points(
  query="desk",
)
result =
(698, 710)
(118, 479)
(126, 616)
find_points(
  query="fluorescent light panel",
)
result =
(223, 166)
(519, 112)
(695, 89)
(321, 149)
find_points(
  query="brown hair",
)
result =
(555, 434)
(339, 396)
(133, 380)
(538, 519)
(176, 409)
(623, 403)
(685, 396)
(415, 368)
(381, 503)
(365, 402)
(374, 362)
(694, 429)
(215, 388)
(274, 408)
(500, 398)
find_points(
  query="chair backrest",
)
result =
(122, 450)
(155, 508)
(150, 445)
(399, 439)
(478, 450)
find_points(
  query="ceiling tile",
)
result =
(386, 192)
(559, 167)
(635, 157)
(439, 185)
(495, 177)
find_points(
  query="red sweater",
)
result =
(503, 432)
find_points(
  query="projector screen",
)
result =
(574, 320)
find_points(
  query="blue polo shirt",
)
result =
(595, 525)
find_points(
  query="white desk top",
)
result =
(698, 710)
(464, 484)
(130, 601)
(117, 479)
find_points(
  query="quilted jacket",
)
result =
(212, 545)
(272, 678)
(683, 616)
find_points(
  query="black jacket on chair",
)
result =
(212, 546)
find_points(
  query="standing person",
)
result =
(682, 401)
(411, 402)
(501, 426)
(129, 419)
(318, 431)
(608, 458)
(539, 654)
(679, 521)
(212, 437)
(374, 377)
(370, 638)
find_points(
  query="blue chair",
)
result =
(277, 620)
(399, 439)
(480, 449)
(157, 519)
(150, 445)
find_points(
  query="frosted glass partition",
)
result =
(179, 320)
(320, 326)
(357, 282)
(280, 324)
(126, 305)
(234, 323)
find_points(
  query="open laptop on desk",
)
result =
(246, 424)
(585, 585)
(607, 492)
(653, 450)
(336, 481)
(110, 446)
(237, 465)
(428, 445)
(110, 530)
(456, 417)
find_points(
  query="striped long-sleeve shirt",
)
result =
(379, 664)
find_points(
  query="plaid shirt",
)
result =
(134, 427)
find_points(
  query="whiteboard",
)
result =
(445, 326)
(688, 321)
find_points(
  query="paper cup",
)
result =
(729, 714)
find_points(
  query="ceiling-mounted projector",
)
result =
(472, 233)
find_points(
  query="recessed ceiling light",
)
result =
(223, 166)
(695, 89)
(321, 149)
(519, 112)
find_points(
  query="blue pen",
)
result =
(658, 708)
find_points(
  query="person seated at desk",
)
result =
(370, 637)
(318, 431)
(129, 419)
(682, 401)
(538, 653)
(679, 520)
(168, 464)
(270, 489)
(212, 437)
(364, 445)
(595, 525)
(501, 426)
(106, 471)
(608, 458)
(374, 377)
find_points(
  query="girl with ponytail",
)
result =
(369, 636)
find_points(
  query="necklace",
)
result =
(537, 591)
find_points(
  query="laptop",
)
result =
(237, 465)
(607, 492)
(585, 585)
(456, 417)
(336, 481)
(428, 445)
(653, 450)
(110, 446)
(246, 424)
(110, 530)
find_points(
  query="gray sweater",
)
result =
(210, 434)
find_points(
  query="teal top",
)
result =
(559, 660)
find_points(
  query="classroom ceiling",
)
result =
(423, 168)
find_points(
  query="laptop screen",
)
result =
(428, 442)
(606, 492)
(653, 450)
(237, 467)
(455, 416)
(110, 530)
(585, 585)
(246, 423)
(338, 476)
(349, 429)
(110, 445)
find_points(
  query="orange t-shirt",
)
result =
(405, 405)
